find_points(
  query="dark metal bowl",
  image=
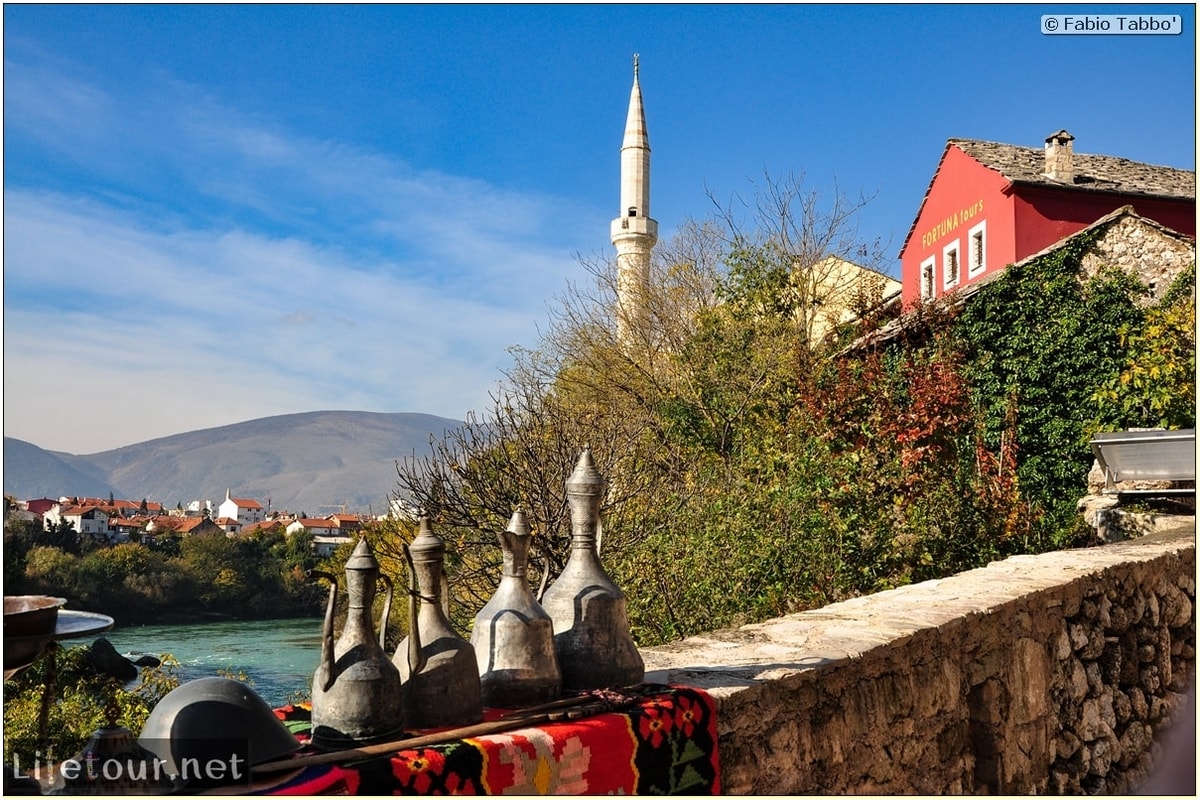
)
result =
(31, 615)
(30, 622)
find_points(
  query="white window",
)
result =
(951, 266)
(977, 249)
(927, 267)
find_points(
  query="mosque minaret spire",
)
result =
(633, 231)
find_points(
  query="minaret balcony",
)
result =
(634, 226)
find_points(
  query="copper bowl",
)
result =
(30, 623)
(31, 615)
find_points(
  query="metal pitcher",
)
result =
(438, 670)
(512, 634)
(356, 688)
(591, 625)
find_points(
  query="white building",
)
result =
(245, 511)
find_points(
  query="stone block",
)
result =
(1153, 610)
(1108, 714)
(1066, 745)
(1079, 636)
(1090, 723)
(1174, 604)
(1138, 703)
(1119, 619)
(1078, 680)
(1062, 646)
(1159, 709)
(1151, 679)
(1134, 741)
(1094, 678)
(1122, 707)
(1102, 758)
(1093, 645)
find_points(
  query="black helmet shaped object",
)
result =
(204, 727)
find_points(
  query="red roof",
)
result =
(41, 505)
(128, 522)
(80, 510)
(317, 523)
(265, 525)
(242, 502)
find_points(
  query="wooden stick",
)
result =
(570, 707)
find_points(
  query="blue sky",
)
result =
(214, 213)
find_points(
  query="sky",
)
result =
(216, 213)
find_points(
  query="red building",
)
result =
(992, 204)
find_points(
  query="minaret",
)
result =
(633, 232)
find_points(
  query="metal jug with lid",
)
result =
(513, 635)
(438, 671)
(356, 688)
(591, 625)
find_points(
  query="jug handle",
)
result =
(445, 596)
(541, 592)
(387, 610)
(416, 656)
(312, 576)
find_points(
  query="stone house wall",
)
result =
(1141, 247)
(1036, 674)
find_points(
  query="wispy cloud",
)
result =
(198, 265)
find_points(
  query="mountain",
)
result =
(299, 462)
(31, 472)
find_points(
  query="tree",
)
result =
(791, 261)
(1156, 386)
(671, 410)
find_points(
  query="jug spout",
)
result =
(416, 656)
(326, 665)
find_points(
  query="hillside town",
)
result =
(109, 521)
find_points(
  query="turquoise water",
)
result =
(278, 656)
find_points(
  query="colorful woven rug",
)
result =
(664, 742)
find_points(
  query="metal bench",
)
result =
(1152, 456)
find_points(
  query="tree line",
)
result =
(260, 576)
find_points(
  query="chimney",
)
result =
(1059, 157)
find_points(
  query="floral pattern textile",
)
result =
(663, 743)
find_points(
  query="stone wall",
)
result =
(1037, 674)
(1141, 247)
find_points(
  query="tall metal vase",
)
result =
(356, 689)
(513, 636)
(438, 669)
(591, 624)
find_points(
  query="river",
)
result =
(278, 656)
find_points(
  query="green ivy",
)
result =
(1039, 340)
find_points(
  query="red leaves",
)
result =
(911, 409)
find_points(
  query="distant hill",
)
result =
(299, 462)
(31, 472)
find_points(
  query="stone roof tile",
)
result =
(1026, 165)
